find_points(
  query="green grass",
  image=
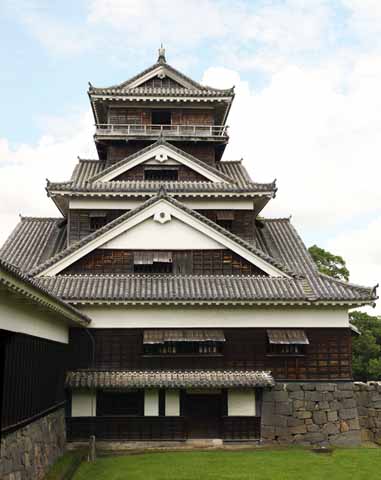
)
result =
(64, 465)
(291, 464)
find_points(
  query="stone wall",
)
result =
(311, 414)
(27, 453)
(368, 397)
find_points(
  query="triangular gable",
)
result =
(161, 70)
(162, 152)
(162, 209)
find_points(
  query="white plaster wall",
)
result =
(172, 403)
(151, 403)
(128, 204)
(20, 317)
(83, 403)
(196, 317)
(173, 235)
(241, 403)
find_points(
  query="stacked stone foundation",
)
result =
(321, 414)
(27, 454)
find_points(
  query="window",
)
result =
(166, 174)
(287, 342)
(184, 348)
(161, 117)
(129, 403)
(153, 262)
(97, 220)
(286, 349)
(225, 219)
(185, 342)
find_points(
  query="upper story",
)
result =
(160, 102)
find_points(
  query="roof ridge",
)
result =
(345, 283)
(43, 219)
(171, 277)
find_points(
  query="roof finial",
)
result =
(161, 58)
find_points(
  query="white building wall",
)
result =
(196, 317)
(172, 403)
(27, 318)
(173, 235)
(151, 403)
(83, 403)
(241, 403)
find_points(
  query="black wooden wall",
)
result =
(327, 357)
(33, 371)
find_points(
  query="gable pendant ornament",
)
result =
(162, 217)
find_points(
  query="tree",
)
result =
(366, 347)
(366, 352)
(332, 265)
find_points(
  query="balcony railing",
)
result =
(109, 129)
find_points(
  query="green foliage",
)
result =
(366, 347)
(332, 265)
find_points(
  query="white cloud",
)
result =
(361, 247)
(320, 142)
(364, 18)
(24, 170)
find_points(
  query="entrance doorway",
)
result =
(203, 413)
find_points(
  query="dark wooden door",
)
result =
(203, 413)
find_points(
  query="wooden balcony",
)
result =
(122, 131)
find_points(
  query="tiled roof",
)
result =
(196, 88)
(234, 170)
(33, 241)
(162, 92)
(168, 379)
(152, 187)
(160, 142)
(14, 280)
(162, 196)
(180, 288)
(276, 238)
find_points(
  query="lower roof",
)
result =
(36, 240)
(168, 379)
(12, 280)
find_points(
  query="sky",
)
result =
(307, 111)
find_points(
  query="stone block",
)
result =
(354, 424)
(314, 396)
(349, 403)
(347, 439)
(332, 416)
(280, 396)
(330, 428)
(293, 387)
(303, 415)
(319, 418)
(283, 408)
(345, 386)
(308, 386)
(326, 387)
(348, 413)
(299, 395)
(344, 426)
(294, 422)
(313, 428)
(298, 429)
(314, 438)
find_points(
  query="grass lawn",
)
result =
(291, 464)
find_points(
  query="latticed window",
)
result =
(184, 348)
(183, 342)
(166, 174)
(153, 262)
(225, 219)
(97, 220)
(287, 342)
